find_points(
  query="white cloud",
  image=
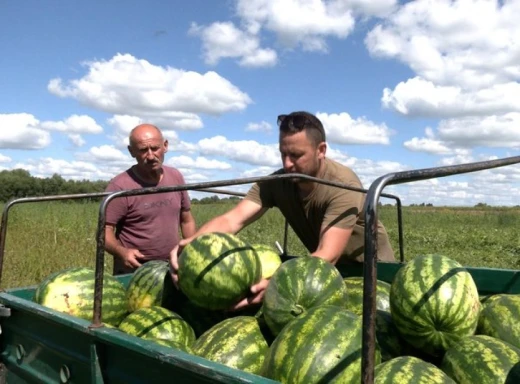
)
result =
(22, 131)
(74, 170)
(458, 136)
(74, 124)
(303, 23)
(126, 85)
(109, 153)
(262, 126)
(342, 129)
(419, 97)
(224, 40)
(76, 140)
(198, 163)
(4, 159)
(465, 55)
(247, 151)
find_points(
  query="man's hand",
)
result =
(256, 295)
(174, 259)
(132, 258)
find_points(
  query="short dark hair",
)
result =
(302, 120)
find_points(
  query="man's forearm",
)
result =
(188, 229)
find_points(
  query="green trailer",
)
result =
(40, 345)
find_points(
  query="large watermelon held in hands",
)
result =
(323, 345)
(482, 359)
(434, 303)
(269, 258)
(146, 286)
(237, 342)
(216, 270)
(71, 291)
(298, 285)
(158, 323)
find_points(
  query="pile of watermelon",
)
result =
(431, 324)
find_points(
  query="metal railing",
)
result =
(370, 262)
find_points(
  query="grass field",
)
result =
(45, 237)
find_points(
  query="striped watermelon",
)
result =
(71, 291)
(237, 342)
(409, 370)
(434, 302)
(146, 286)
(269, 258)
(171, 344)
(391, 343)
(323, 345)
(216, 270)
(200, 319)
(355, 295)
(500, 318)
(158, 323)
(298, 285)
(481, 359)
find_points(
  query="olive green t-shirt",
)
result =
(325, 206)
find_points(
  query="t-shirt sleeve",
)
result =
(343, 209)
(117, 207)
(263, 193)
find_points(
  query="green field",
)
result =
(45, 237)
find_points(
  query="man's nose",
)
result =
(287, 163)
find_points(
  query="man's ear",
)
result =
(165, 145)
(322, 150)
(131, 151)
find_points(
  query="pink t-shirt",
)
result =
(149, 223)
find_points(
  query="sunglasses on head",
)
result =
(297, 121)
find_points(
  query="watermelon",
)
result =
(298, 285)
(158, 323)
(409, 370)
(481, 359)
(146, 286)
(170, 343)
(237, 342)
(269, 258)
(500, 318)
(355, 295)
(322, 345)
(216, 270)
(434, 303)
(200, 319)
(391, 343)
(71, 291)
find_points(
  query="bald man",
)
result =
(146, 227)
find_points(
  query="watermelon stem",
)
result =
(297, 310)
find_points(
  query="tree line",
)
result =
(18, 183)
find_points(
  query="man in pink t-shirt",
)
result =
(146, 227)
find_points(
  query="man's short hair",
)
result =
(303, 121)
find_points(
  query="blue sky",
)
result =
(398, 86)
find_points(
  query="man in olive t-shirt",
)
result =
(325, 206)
(328, 220)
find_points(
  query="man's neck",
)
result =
(153, 177)
(306, 188)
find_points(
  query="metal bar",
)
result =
(100, 236)
(12, 202)
(370, 262)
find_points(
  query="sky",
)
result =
(398, 86)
